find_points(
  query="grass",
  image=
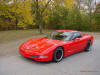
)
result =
(6, 36)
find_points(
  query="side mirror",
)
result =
(76, 39)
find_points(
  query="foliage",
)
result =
(51, 14)
(96, 18)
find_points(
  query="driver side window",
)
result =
(76, 35)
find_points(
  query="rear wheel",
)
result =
(58, 54)
(88, 46)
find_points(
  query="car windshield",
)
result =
(60, 35)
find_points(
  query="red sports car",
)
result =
(56, 46)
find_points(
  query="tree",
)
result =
(29, 18)
(39, 12)
(4, 14)
(96, 17)
(15, 10)
(21, 13)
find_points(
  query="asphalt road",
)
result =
(12, 63)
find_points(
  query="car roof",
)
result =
(68, 30)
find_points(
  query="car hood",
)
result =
(38, 45)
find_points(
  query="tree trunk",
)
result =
(90, 11)
(95, 3)
(16, 24)
(39, 23)
(40, 29)
(38, 17)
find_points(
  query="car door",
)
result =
(75, 44)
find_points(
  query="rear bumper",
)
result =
(35, 58)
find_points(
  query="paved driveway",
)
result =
(11, 63)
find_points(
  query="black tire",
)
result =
(58, 54)
(88, 46)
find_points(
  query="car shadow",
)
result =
(50, 62)
(37, 62)
(78, 53)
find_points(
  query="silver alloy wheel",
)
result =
(59, 54)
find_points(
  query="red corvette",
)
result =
(56, 46)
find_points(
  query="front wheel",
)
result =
(58, 54)
(88, 46)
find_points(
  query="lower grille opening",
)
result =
(34, 56)
(38, 59)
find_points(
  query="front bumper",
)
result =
(36, 58)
